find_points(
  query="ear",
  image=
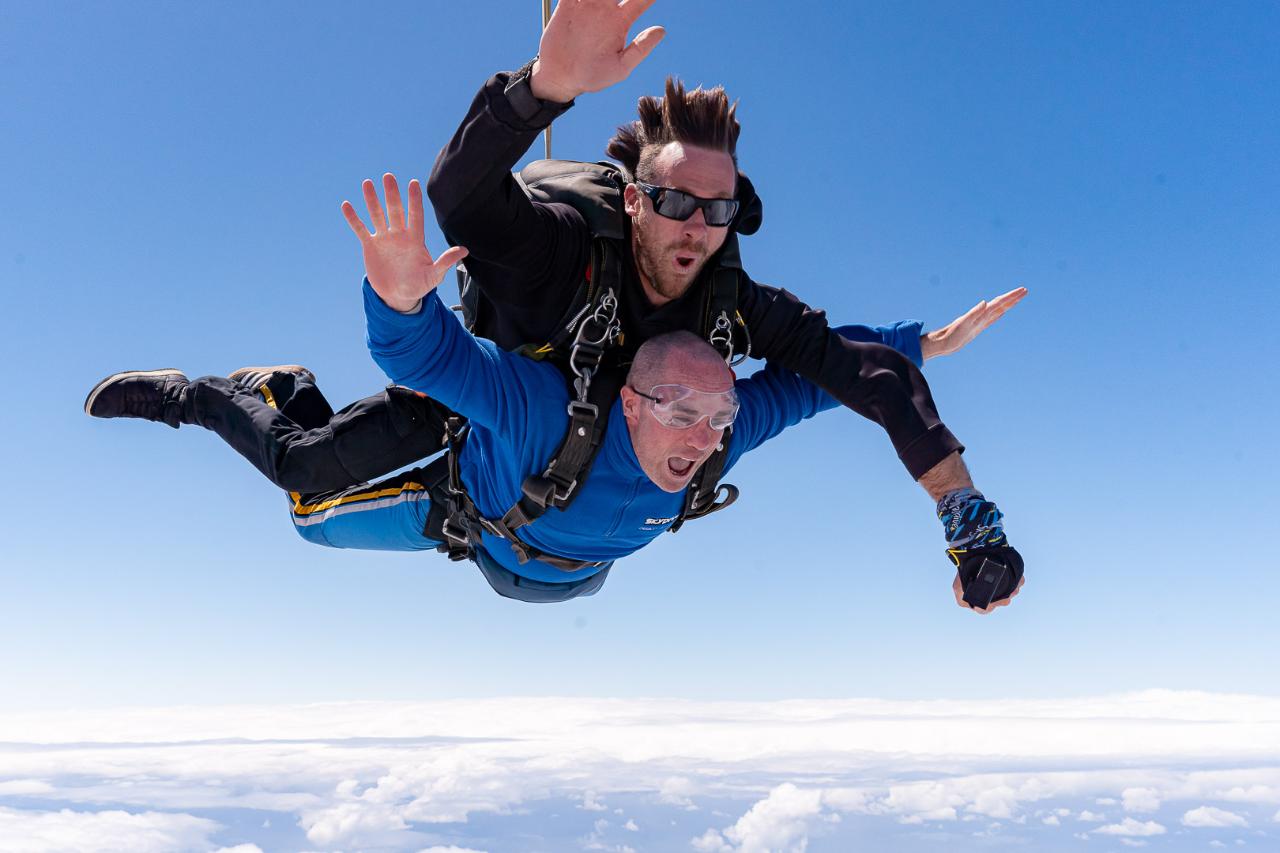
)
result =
(631, 200)
(630, 404)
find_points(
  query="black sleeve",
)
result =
(874, 380)
(523, 254)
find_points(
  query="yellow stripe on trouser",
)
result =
(307, 509)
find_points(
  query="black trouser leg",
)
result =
(301, 445)
(375, 436)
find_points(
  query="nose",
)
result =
(701, 437)
(696, 224)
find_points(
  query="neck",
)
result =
(656, 299)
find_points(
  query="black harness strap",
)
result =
(558, 485)
(436, 477)
(720, 310)
(597, 331)
(705, 493)
(594, 330)
(456, 522)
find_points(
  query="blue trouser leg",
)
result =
(388, 515)
(391, 514)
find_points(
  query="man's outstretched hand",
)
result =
(396, 261)
(584, 47)
(960, 331)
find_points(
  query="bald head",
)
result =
(669, 454)
(680, 358)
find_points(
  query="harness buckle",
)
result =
(721, 336)
(458, 547)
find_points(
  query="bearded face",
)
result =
(670, 253)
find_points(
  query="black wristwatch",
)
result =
(524, 103)
(520, 96)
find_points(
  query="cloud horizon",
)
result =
(1150, 767)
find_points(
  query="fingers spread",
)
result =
(395, 207)
(415, 211)
(449, 258)
(353, 220)
(376, 215)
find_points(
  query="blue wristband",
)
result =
(970, 521)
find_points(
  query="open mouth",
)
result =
(686, 262)
(679, 466)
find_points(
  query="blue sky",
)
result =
(172, 176)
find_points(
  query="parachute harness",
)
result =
(586, 336)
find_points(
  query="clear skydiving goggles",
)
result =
(680, 205)
(681, 407)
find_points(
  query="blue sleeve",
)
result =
(431, 352)
(774, 399)
(904, 336)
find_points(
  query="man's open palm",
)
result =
(585, 49)
(961, 331)
(396, 261)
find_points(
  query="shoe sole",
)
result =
(98, 389)
(296, 369)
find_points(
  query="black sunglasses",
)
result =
(676, 204)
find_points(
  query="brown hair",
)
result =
(703, 117)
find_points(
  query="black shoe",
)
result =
(255, 377)
(153, 395)
(275, 385)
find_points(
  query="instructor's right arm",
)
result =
(528, 254)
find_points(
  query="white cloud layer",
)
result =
(425, 775)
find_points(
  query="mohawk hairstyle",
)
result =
(703, 117)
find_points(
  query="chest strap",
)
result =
(456, 522)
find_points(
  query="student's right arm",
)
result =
(412, 336)
(429, 351)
